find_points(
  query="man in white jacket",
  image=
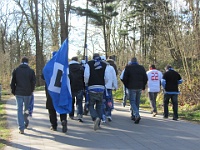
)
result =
(154, 83)
(110, 85)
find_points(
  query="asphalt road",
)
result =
(153, 133)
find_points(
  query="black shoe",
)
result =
(154, 114)
(53, 129)
(85, 111)
(137, 120)
(133, 118)
(71, 117)
(64, 126)
(80, 118)
(21, 131)
(26, 126)
(165, 117)
(175, 119)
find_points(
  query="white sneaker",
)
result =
(103, 119)
(109, 118)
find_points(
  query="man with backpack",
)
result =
(76, 75)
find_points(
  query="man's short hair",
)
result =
(96, 55)
(75, 58)
(134, 59)
(152, 66)
(168, 67)
(24, 60)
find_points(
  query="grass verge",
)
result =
(4, 131)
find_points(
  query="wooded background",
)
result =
(157, 32)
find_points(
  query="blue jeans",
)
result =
(95, 99)
(79, 102)
(174, 99)
(22, 110)
(134, 97)
(125, 96)
(152, 98)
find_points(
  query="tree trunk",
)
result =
(39, 53)
(62, 21)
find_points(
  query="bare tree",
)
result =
(32, 18)
(64, 19)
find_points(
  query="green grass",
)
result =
(188, 113)
(40, 88)
(193, 116)
(4, 132)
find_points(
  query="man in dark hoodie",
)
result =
(76, 75)
(135, 79)
(22, 85)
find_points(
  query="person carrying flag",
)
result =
(52, 111)
(57, 81)
(95, 77)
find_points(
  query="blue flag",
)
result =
(58, 84)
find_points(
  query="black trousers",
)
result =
(53, 117)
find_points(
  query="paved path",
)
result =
(151, 134)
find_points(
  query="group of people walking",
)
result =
(99, 78)
(135, 79)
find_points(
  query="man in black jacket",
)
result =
(76, 75)
(170, 81)
(22, 85)
(135, 79)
